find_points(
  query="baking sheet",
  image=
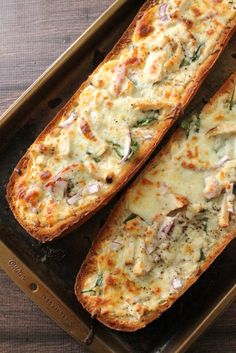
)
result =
(52, 268)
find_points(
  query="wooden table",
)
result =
(32, 34)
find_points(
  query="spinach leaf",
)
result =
(195, 57)
(186, 124)
(196, 54)
(149, 118)
(205, 224)
(130, 217)
(98, 283)
(231, 102)
(116, 147)
(197, 123)
(96, 158)
(202, 256)
(99, 280)
(134, 148)
(185, 62)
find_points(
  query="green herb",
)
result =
(116, 147)
(197, 123)
(196, 54)
(98, 283)
(130, 217)
(94, 157)
(89, 291)
(134, 148)
(231, 102)
(185, 62)
(150, 116)
(145, 122)
(185, 124)
(99, 280)
(202, 256)
(205, 224)
(195, 57)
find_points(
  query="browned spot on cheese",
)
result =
(182, 199)
(141, 309)
(133, 61)
(144, 29)
(188, 165)
(133, 224)
(219, 117)
(210, 32)
(100, 83)
(188, 249)
(110, 262)
(196, 11)
(146, 181)
(192, 154)
(32, 197)
(222, 175)
(132, 287)
(117, 271)
(157, 290)
(111, 281)
(167, 94)
(188, 23)
(86, 130)
(45, 175)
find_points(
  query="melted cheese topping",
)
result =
(171, 220)
(116, 116)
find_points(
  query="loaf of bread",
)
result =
(119, 115)
(172, 223)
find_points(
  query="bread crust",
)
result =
(67, 225)
(89, 264)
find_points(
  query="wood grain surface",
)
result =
(33, 33)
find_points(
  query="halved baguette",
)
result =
(119, 115)
(171, 224)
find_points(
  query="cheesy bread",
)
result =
(171, 224)
(119, 115)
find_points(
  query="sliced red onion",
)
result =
(120, 72)
(93, 188)
(221, 162)
(115, 246)
(163, 188)
(127, 148)
(74, 199)
(59, 188)
(177, 283)
(72, 117)
(163, 12)
(166, 226)
(148, 137)
(212, 189)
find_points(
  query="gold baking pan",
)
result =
(46, 273)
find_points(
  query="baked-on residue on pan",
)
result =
(119, 115)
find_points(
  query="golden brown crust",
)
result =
(65, 226)
(89, 264)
